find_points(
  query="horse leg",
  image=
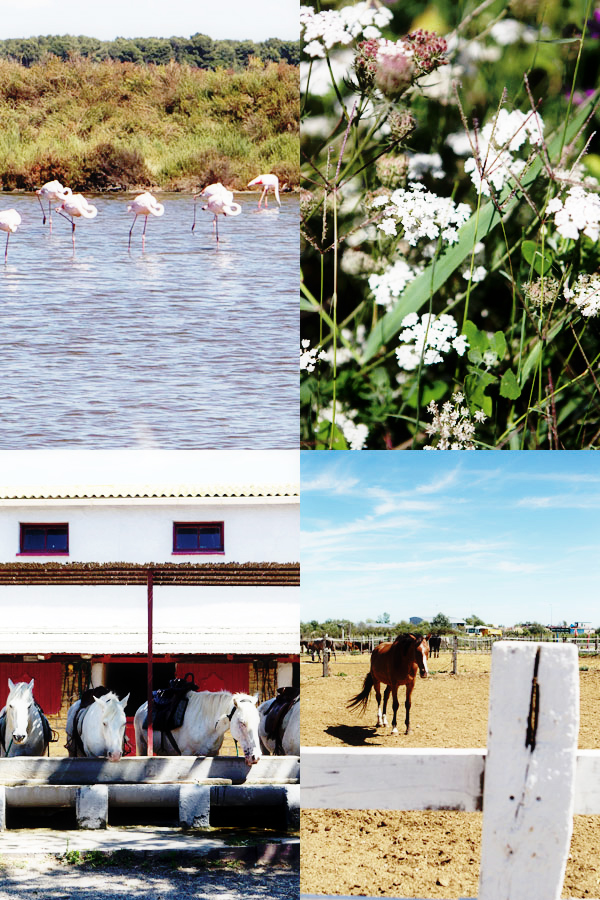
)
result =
(395, 705)
(377, 686)
(409, 689)
(386, 697)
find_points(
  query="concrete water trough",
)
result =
(192, 785)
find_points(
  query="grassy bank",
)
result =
(114, 125)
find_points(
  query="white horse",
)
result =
(23, 725)
(289, 729)
(99, 730)
(207, 717)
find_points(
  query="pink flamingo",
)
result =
(75, 207)
(53, 192)
(144, 205)
(219, 201)
(267, 181)
(9, 222)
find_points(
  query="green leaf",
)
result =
(418, 292)
(478, 340)
(475, 385)
(509, 386)
(533, 257)
(306, 305)
(323, 437)
(498, 344)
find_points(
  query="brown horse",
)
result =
(394, 664)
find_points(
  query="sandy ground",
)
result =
(419, 854)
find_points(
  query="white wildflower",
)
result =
(452, 428)
(388, 286)
(585, 293)
(344, 354)
(478, 274)
(498, 141)
(322, 30)
(355, 433)
(580, 212)
(428, 338)
(509, 31)
(419, 164)
(422, 214)
(309, 357)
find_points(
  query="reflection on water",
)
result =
(185, 345)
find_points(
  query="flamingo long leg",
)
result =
(73, 234)
(6, 248)
(217, 227)
(131, 229)
(194, 222)
(262, 197)
(49, 215)
(144, 232)
(43, 210)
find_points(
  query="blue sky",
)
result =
(236, 19)
(508, 536)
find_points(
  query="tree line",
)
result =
(198, 50)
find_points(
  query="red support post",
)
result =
(150, 751)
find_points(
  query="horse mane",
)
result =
(405, 638)
(212, 704)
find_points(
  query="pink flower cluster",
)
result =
(427, 50)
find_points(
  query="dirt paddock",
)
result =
(419, 854)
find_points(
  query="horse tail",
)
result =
(361, 700)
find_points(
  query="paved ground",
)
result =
(48, 877)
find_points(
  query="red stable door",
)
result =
(47, 682)
(226, 676)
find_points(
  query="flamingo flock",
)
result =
(218, 200)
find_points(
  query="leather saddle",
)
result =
(168, 708)
(283, 702)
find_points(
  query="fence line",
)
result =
(529, 782)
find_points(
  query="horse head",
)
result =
(421, 654)
(18, 707)
(103, 732)
(243, 724)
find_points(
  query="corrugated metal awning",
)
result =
(287, 574)
(148, 491)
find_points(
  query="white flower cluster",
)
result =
(579, 212)
(419, 164)
(343, 353)
(309, 357)
(388, 286)
(428, 338)
(355, 433)
(497, 143)
(585, 293)
(452, 425)
(324, 29)
(421, 214)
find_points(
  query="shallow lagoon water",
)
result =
(181, 346)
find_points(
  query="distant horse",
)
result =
(207, 717)
(286, 739)
(96, 726)
(394, 663)
(435, 642)
(317, 646)
(24, 729)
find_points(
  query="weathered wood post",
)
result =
(325, 658)
(455, 655)
(530, 770)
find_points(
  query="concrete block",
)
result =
(194, 806)
(292, 803)
(91, 806)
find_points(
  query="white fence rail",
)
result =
(529, 782)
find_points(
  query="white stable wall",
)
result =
(141, 531)
(106, 619)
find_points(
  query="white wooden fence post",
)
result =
(455, 655)
(325, 658)
(530, 770)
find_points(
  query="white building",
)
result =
(206, 542)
